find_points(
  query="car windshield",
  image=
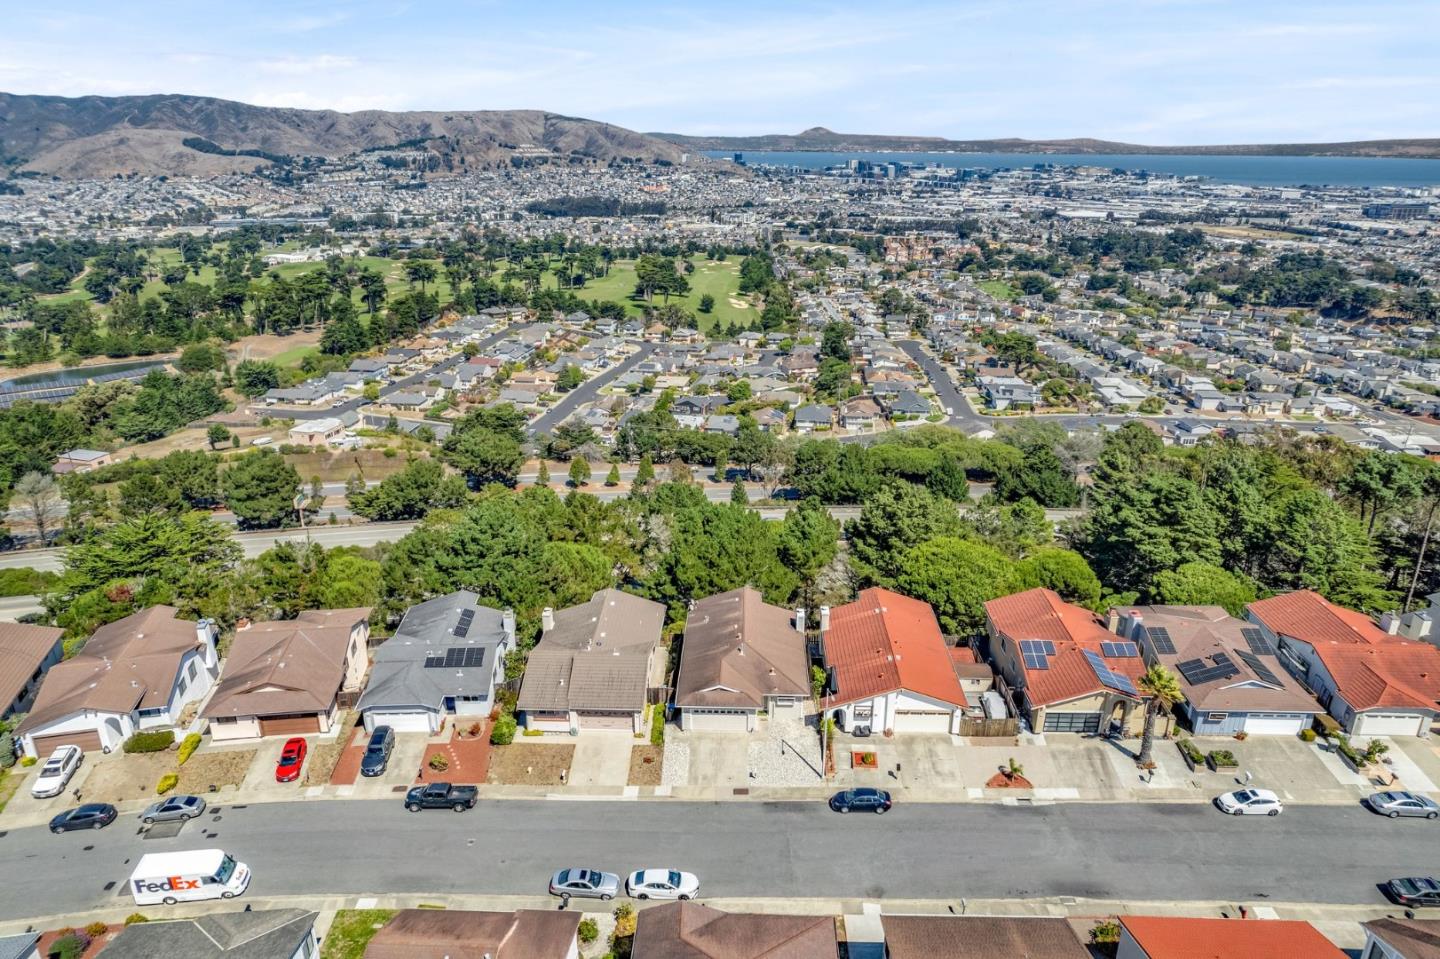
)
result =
(52, 769)
(674, 878)
(1244, 795)
(226, 870)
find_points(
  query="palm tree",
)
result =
(1162, 691)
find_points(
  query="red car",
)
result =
(292, 757)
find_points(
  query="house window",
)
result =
(152, 712)
(192, 670)
(1216, 717)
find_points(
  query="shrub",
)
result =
(167, 782)
(1105, 937)
(71, 945)
(503, 732)
(135, 917)
(589, 930)
(96, 929)
(533, 732)
(28, 761)
(1307, 735)
(624, 921)
(187, 747)
(1343, 747)
(7, 750)
(149, 742)
(1222, 757)
(1191, 751)
(439, 763)
(657, 725)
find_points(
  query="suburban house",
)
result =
(325, 431)
(591, 668)
(1175, 937)
(26, 652)
(861, 414)
(689, 930)
(286, 678)
(258, 934)
(888, 666)
(812, 417)
(471, 934)
(740, 657)
(1371, 680)
(1070, 674)
(1225, 666)
(82, 461)
(980, 937)
(140, 672)
(1395, 938)
(445, 659)
(25, 945)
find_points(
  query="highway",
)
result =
(1321, 854)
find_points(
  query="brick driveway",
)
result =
(469, 759)
(347, 770)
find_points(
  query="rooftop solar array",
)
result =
(1197, 672)
(1259, 645)
(1107, 676)
(1160, 640)
(462, 628)
(1258, 668)
(1036, 653)
(456, 657)
(1120, 650)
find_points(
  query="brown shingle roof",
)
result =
(288, 666)
(980, 937)
(738, 650)
(468, 934)
(689, 930)
(596, 657)
(22, 650)
(128, 664)
(1414, 938)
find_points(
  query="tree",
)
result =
(200, 358)
(835, 341)
(644, 473)
(542, 474)
(1017, 350)
(739, 496)
(1039, 476)
(254, 377)
(216, 434)
(739, 391)
(260, 489)
(39, 496)
(484, 456)
(895, 519)
(957, 577)
(579, 472)
(612, 478)
(707, 303)
(1062, 570)
(1151, 405)
(1201, 584)
(808, 541)
(420, 271)
(143, 493)
(1163, 693)
(569, 378)
(410, 494)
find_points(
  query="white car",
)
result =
(662, 884)
(56, 772)
(1250, 802)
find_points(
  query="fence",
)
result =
(988, 728)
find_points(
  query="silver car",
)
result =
(1397, 804)
(176, 807)
(585, 884)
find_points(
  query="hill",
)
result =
(179, 134)
(823, 140)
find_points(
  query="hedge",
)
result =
(187, 747)
(151, 742)
(1191, 750)
(503, 732)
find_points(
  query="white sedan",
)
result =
(1250, 802)
(662, 884)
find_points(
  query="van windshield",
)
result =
(226, 870)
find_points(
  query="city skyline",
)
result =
(1163, 72)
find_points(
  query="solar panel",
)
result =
(1120, 650)
(466, 615)
(1107, 676)
(454, 655)
(1037, 647)
(1036, 661)
(1196, 672)
(434, 660)
(475, 656)
(1258, 668)
(1160, 640)
(462, 630)
(1259, 645)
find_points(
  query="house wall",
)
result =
(1129, 948)
(185, 688)
(106, 724)
(26, 697)
(357, 658)
(242, 728)
(1376, 948)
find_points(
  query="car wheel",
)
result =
(684, 898)
(1238, 812)
(413, 807)
(56, 830)
(1393, 814)
(99, 824)
(149, 820)
(1273, 812)
(227, 895)
(606, 898)
(459, 807)
(643, 896)
(1431, 815)
(842, 809)
(169, 900)
(879, 810)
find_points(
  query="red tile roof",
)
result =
(883, 642)
(1042, 614)
(1173, 937)
(1309, 616)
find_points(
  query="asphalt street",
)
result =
(1323, 854)
(585, 393)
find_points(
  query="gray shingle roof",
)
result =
(399, 676)
(265, 934)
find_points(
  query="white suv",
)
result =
(56, 772)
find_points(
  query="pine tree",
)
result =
(542, 477)
(738, 494)
(613, 477)
(645, 474)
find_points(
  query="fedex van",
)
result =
(172, 877)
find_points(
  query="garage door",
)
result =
(1388, 724)
(1275, 725)
(1072, 723)
(411, 722)
(88, 741)
(599, 720)
(922, 721)
(294, 725)
(715, 721)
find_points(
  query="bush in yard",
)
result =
(149, 742)
(71, 945)
(167, 782)
(188, 745)
(1105, 937)
(657, 725)
(96, 929)
(1191, 751)
(624, 921)
(1307, 735)
(439, 763)
(589, 930)
(28, 761)
(503, 732)
(1222, 757)
(7, 750)
(135, 917)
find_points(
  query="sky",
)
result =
(1159, 72)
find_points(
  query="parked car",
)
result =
(55, 774)
(863, 799)
(292, 758)
(1415, 891)
(662, 884)
(183, 808)
(93, 815)
(1397, 804)
(377, 751)
(441, 796)
(1250, 802)
(585, 884)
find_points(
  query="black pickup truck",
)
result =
(441, 796)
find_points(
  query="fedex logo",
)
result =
(169, 884)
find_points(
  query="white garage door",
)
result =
(921, 721)
(715, 721)
(1260, 725)
(416, 721)
(1388, 724)
(607, 720)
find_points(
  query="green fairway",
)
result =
(720, 279)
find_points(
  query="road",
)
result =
(585, 393)
(13, 607)
(1323, 854)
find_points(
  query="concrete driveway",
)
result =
(602, 758)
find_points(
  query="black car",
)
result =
(1415, 891)
(441, 796)
(377, 753)
(861, 800)
(95, 815)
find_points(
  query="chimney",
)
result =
(507, 621)
(205, 635)
(1112, 620)
(824, 619)
(1390, 622)
(547, 619)
(1137, 623)
(800, 619)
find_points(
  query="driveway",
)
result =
(602, 758)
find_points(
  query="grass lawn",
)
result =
(9, 784)
(294, 355)
(352, 931)
(999, 289)
(720, 280)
